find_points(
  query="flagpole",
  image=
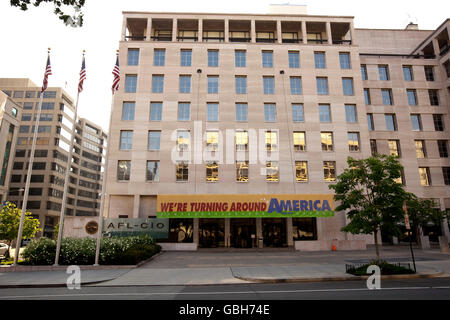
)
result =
(105, 175)
(30, 170)
(66, 180)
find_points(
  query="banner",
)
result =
(245, 206)
(155, 228)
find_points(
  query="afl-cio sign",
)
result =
(156, 228)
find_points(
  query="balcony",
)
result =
(239, 31)
(213, 31)
(187, 30)
(162, 30)
(136, 29)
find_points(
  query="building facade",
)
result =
(51, 155)
(221, 106)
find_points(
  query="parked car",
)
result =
(3, 249)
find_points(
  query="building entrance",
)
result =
(274, 233)
(243, 233)
(211, 233)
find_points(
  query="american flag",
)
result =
(116, 73)
(82, 76)
(48, 72)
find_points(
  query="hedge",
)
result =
(75, 251)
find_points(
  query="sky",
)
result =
(25, 37)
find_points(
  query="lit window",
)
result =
(182, 171)
(183, 140)
(327, 141)
(394, 147)
(242, 171)
(212, 140)
(424, 174)
(241, 140)
(272, 172)
(329, 170)
(420, 149)
(271, 141)
(353, 141)
(299, 141)
(301, 171)
(212, 172)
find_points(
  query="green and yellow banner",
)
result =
(245, 206)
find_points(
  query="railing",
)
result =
(194, 39)
(349, 42)
(292, 41)
(317, 41)
(213, 39)
(445, 50)
(162, 38)
(403, 56)
(135, 38)
(240, 39)
(265, 40)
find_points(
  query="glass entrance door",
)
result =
(243, 233)
(274, 232)
(211, 233)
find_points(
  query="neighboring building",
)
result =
(312, 89)
(52, 149)
(10, 112)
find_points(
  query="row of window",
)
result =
(240, 58)
(242, 172)
(17, 178)
(30, 94)
(408, 74)
(420, 147)
(416, 122)
(183, 141)
(411, 95)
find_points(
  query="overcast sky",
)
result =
(25, 36)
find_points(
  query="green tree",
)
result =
(10, 221)
(370, 191)
(75, 20)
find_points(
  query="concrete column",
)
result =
(137, 200)
(196, 236)
(148, 34)
(253, 31)
(124, 28)
(174, 30)
(289, 233)
(437, 51)
(227, 30)
(329, 35)
(304, 32)
(227, 233)
(259, 232)
(200, 30)
(353, 34)
(279, 32)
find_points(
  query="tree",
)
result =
(10, 221)
(75, 20)
(370, 191)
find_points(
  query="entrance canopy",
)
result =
(245, 206)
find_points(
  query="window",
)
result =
(408, 73)
(183, 140)
(384, 73)
(133, 57)
(350, 113)
(212, 171)
(241, 140)
(443, 148)
(299, 141)
(184, 111)
(272, 172)
(344, 59)
(242, 171)
(324, 113)
(212, 140)
(347, 86)
(327, 141)
(298, 112)
(48, 106)
(241, 112)
(301, 171)
(434, 97)
(153, 171)
(123, 170)
(394, 147)
(126, 140)
(329, 171)
(373, 147)
(182, 172)
(386, 94)
(185, 58)
(159, 57)
(24, 129)
(364, 72)
(319, 60)
(128, 111)
(424, 175)
(294, 59)
(185, 84)
(420, 149)
(296, 85)
(391, 123)
(416, 122)
(270, 112)
(271, 141)
(367, 97)
(213, 84)
(370, 122)
(130, 83)
(27, 105)
(212, 112)
(18, 94)
(240, 58)
(267, 59)
(446, 174)
(241, 84)
(322, 86)
(154, 140)
(213, 58)
(157, 83)
(156, 111)
(30, 94)
(438, 122)
(269, 85)
(353, 141)
(412, 97)
(429, 73)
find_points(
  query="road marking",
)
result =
(219, 292)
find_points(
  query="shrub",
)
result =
(385, 268)
(40, 252)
